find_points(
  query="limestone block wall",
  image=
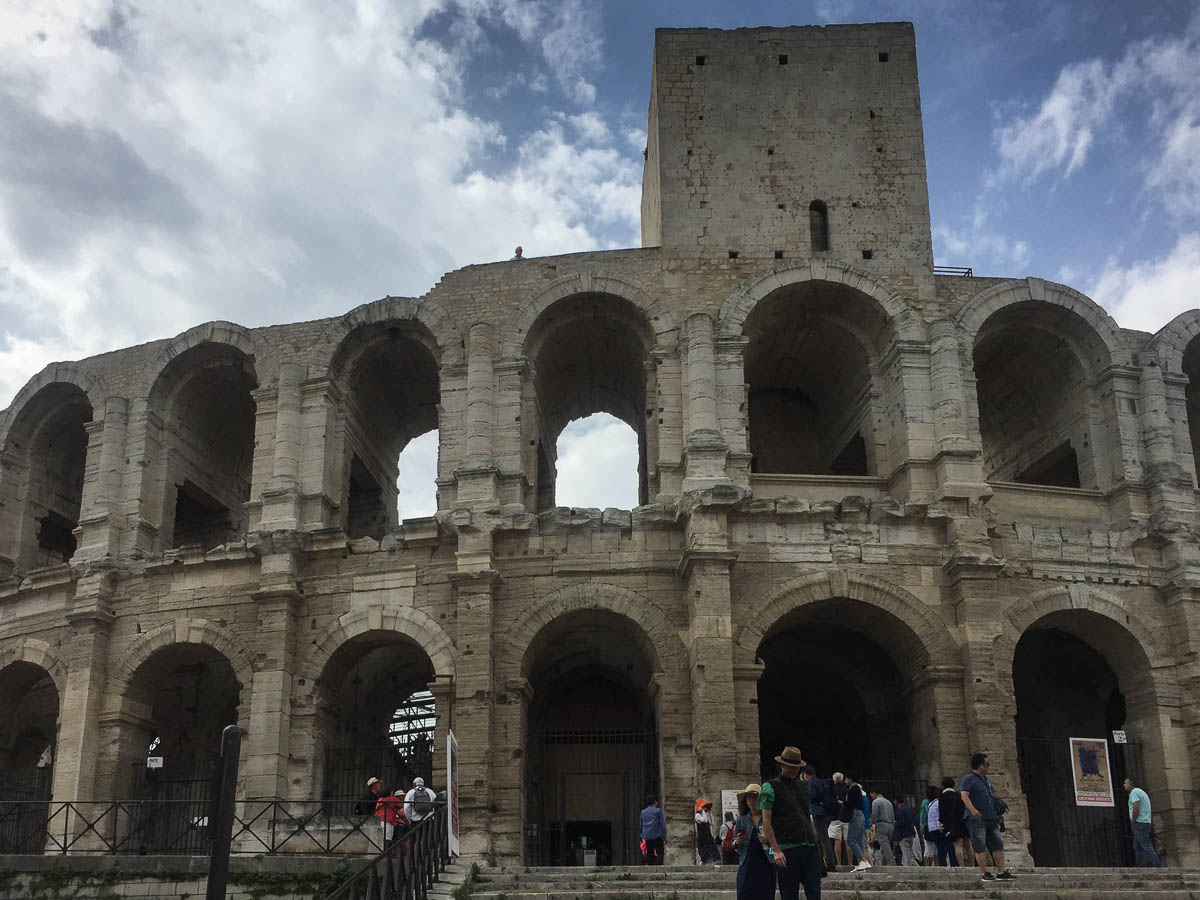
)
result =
(990, 512)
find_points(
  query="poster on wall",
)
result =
(452, 792)
(1091, 772)
(728, 805)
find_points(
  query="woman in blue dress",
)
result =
(756, 872)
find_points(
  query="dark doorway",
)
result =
(839, 697)
(1064, 689)
(593, 760)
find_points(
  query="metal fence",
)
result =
(405, 870)
(179, 827)
(1061, 832)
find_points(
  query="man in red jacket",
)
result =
(390, 810)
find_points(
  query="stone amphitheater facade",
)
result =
(888, 515)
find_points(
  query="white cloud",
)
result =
(1156, 79)
(977, 245)
(1148, 294)
(164, 166)
(597, 464)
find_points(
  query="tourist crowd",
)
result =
(794, 829)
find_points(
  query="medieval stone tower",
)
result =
(887, 514)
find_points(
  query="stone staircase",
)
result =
(898, 883)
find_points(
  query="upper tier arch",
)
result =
(448, 342)
(1171, 341)
(516, 328)
(55, 373)
(972, 317)
(218, 332)
(738, 306)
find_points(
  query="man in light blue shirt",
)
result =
(1139, 818)
(654, 831)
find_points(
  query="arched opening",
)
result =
(416, 480)
(392, 395)
(178, 701)
(590, 354)
(28, 736)
(377, 717)
(1191, 368)
(843, 681)
(208, 444)
(818, 225)
(812, 390)
(1066, 688)
(1034, 363)
(48, 452)
(591, 750)
(597, 463)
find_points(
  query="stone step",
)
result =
(718, 883)
(980, 891)
(916, 871)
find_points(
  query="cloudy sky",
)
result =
(163, 164)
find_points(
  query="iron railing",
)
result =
(405, 870)
(179, 827)
(964, 271)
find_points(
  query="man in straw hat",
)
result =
(789, 829)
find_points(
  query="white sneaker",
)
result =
(862, 866)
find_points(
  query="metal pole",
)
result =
(221, 826)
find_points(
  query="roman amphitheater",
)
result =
(888, 513)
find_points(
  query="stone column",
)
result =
(85, 656)
(733, 406)
(745, 721)
(100, 521)
(320, 453)
(957, 453)
(473, 701)
(145, 493)
(86, 659)
(705, 450)
(705, 576)
(268, 742)
(481, 378)
(281, 495)
(990, 705)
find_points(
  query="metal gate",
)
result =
(592, 802)
(24, 806)
(1062, 833)
(170, 807)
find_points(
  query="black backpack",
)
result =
(421, 803)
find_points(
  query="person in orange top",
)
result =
(705, 845)
(390, 811)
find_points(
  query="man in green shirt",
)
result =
(1139, 818)
(789, 830)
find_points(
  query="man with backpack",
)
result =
(823, 808)
(418, 802)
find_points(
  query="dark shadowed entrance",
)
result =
(843, 682)
(1065, 688)
(592, 749)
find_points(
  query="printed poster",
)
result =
(1091, 772)
(728, 805)
(452, 791)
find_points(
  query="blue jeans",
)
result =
(858, 834)
(803, 871)
(1143, 848)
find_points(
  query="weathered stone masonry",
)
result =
(881, 487)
